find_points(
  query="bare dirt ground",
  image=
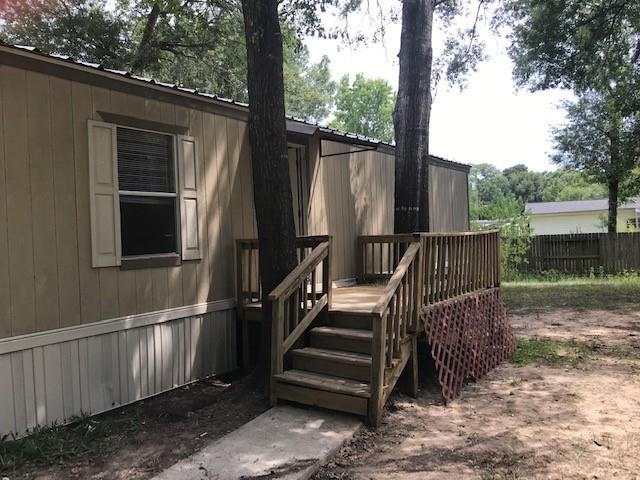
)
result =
(568, 409)
(136, 441)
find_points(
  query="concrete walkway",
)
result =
(282, 443)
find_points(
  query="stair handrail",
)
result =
(396, 316)
(297, 294)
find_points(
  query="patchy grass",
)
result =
(83, 439)
(609, 293)
(508, 476)
(548, 352)
(556, 353)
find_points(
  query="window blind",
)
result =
(145, 161)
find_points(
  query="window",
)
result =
(147, 191)
(144, 196)
(633, 224)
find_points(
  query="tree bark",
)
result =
(143, 53)
(612, 222)
(411, 118)
(267, 135)
(615, 173)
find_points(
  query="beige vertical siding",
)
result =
(449, 205)
(350, 195)
(57, 381)
(46, 278)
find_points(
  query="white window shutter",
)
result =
(189, 179)
(104, 200)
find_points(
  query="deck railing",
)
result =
(396, 317)
(379, 255)
(459, 263)
(248, 281)
(423, 269)
(453, 263)
(297, 302)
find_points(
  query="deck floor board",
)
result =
(357, 298)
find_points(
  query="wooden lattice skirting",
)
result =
(469, 335)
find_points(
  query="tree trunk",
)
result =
(411, 118)
(612, 221)
(267, 135)
(143, 53)
(615, 173)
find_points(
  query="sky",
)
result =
(491, 121)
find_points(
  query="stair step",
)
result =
(355, 366)
(345, 339)
(326, 383)
(355, 320)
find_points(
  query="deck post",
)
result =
(378, 354)
(418, 289)
(410, 373)
(326, 273)
(277, 338)
(240, 313)
(360, 267)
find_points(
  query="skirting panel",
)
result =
(53, 383)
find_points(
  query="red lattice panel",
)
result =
(469, 336)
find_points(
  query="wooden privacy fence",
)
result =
(583, 252)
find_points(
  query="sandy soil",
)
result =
(536, 421)
(610, 328)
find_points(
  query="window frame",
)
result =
(171, 256)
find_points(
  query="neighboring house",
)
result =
(120, 202)
(580, 216)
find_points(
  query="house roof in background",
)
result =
(574, 206)
(294, 125)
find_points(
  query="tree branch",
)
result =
(142, 56)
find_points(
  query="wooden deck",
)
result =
(358, 298)
(345, 348)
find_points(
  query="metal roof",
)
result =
(294, 125)
(574, 206)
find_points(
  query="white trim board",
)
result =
(40, 339)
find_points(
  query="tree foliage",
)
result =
(592, 48)
(596, 139)
(82, 29)
(365, 106)
(309, 88)
(574, 44)
(603, 142)
(198, 43)
(502, 195)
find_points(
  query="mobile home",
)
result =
(120, 202)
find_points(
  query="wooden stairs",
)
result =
(334, 371)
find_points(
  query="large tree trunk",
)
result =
(268, 138)
(612, 220)
(411, 118)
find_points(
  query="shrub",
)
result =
(515, 238)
